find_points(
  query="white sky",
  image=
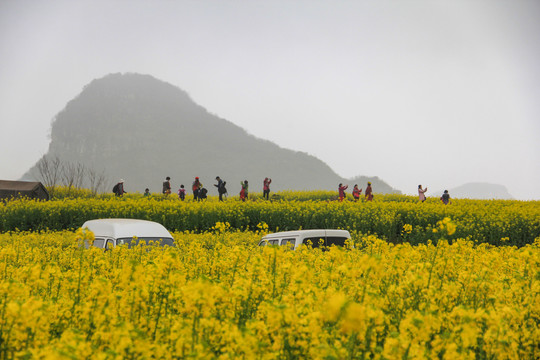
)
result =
(438, 93)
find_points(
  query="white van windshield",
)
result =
(100, 243)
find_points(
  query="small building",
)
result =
(17, 189)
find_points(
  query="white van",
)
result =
(109, 233)
(295, 239)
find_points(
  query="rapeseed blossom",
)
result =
(219, 295)
(395, 218)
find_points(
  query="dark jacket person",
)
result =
(220, 187)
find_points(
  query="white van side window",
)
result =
(273, 242)
(314, 241)
(290, 242)
(122, 241)
(336, 240)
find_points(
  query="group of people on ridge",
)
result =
(200, 192)
(356, 192)
(445, 198)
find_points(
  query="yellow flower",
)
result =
(334, 306)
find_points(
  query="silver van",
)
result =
(109, 233)
(313, 238)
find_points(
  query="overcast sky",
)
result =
(438, 93)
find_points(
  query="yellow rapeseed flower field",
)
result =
(217, 295)
(396, 218)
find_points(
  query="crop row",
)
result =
(495, 222)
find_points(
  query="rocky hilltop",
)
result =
(141, 129)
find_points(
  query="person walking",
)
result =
(356, 192)
(220, 187)
(369, 192)
(341, 190)
(266, 188)
(118, 189)
(196, 187)
(244, 191)
(182, 193)
(421, 193)
(445, 198)
(167, 186)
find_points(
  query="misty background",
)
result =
(438, 93)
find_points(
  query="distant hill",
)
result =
(141, 129)
(484, 191)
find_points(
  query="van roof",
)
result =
(126, 228)
(313, 232)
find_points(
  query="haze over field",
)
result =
(438, 93)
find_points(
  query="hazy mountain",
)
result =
(142, 129)
(479, 191)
